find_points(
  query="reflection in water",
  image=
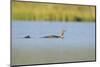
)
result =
(78, 43)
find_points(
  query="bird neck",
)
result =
(62, 35)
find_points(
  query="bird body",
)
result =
(55, 36)
(52, 36)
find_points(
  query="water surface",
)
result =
(78, 43)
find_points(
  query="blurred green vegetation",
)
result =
(52, 12)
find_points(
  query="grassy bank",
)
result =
(51, 12)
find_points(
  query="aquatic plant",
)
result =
(51, 12)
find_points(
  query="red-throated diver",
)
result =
(55, 36)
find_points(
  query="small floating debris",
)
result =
(28, 36)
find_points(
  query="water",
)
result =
(78, 43)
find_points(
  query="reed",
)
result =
(51, 12)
